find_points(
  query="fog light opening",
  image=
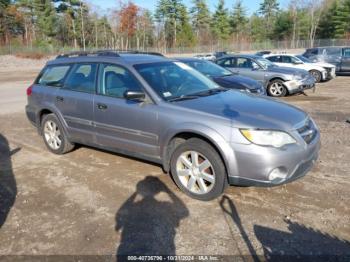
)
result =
(278, 175)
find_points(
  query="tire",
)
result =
(276, 88)
(213, 177)
(317, 75)
(54, 136)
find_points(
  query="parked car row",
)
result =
(338, 56)
(165, 111)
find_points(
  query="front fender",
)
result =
(220, 143)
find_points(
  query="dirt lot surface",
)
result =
(91, 202)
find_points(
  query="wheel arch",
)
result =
(223, 148)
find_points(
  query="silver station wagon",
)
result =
(154, 108)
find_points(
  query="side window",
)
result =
(286, 59)
(53, 75)
(274, 59)
(82, 78)
(115, 81)
(346, 52)
(227, 62)
(333, 51)
(245, 63)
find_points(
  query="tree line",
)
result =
(77, 24)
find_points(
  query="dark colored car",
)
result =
(262, 53)
(224, 77)
(219, 54)
(336, 55)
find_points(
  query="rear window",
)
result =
(53, 75)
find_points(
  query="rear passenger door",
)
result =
(228, 63)
(75, 101)
(125, 125)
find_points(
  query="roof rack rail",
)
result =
(89, 53)
(138, 52)
(111, 52)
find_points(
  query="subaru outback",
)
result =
(162, 110)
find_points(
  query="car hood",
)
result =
(287, 70)
(248, 111)
(324, 65)
(237, 82)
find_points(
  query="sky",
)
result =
(250, 5)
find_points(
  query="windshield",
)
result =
(264, 62)
(209, 69)
(304, 59)
(173, 80)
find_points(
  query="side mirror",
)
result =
(134, 95)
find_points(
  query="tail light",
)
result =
(29, 90)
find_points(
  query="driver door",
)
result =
(121, 124)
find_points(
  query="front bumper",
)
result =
(255, 163)
(330, 73)
(296, 86)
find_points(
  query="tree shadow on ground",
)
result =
(301, 243)
(148, 225)
(8, 187)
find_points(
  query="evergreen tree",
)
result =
(71, 9)
(185, 36)
(200, 20)
(220, 24)
(327, 25)
(238, 19)
(172, 13)
(269, 9)
(283, 26)
(342, 19)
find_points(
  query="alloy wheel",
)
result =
(276, 89)
(52, 135)
(195, 172)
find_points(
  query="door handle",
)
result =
(102, 106)
(59, 98)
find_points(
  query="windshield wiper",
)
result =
(183, 97)
(210, 92)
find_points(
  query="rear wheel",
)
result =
(317, 75)
(276, 88)
(54, 137)
(198, 170)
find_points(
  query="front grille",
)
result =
(308, 132)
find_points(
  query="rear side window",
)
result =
(227, 62)
(53, 75)
(82, 78)
(274, 58)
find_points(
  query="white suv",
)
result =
(320, 71)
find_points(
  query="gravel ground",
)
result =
(91, 202)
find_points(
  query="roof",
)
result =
(109, 56)
(242, 55)
(189, 59)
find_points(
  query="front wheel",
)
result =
(317, 75)
(276, 88)
(198, 170)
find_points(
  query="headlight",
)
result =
(267, 137)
